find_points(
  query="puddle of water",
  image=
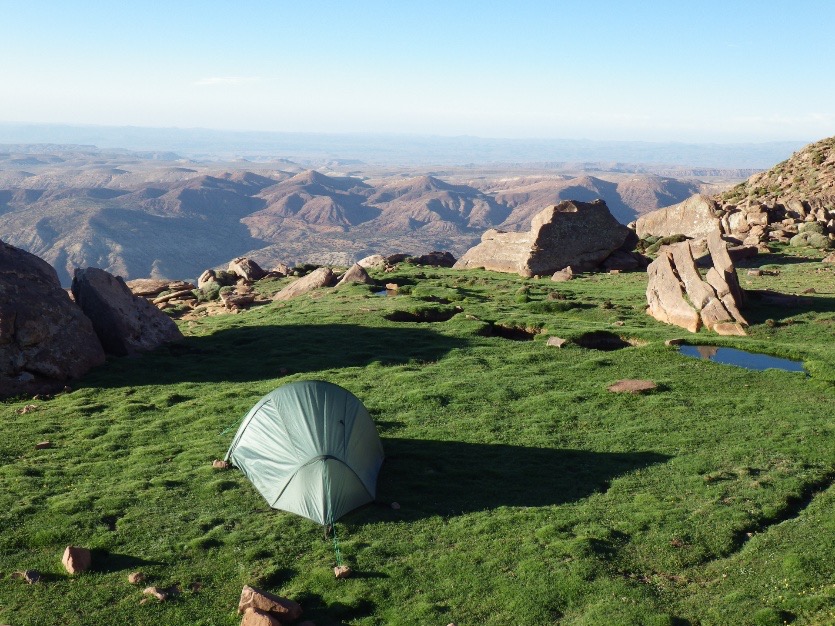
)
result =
(741, 358)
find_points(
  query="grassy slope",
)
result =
(528, 493)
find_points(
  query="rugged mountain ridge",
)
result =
(139, 218)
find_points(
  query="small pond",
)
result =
(741, 358)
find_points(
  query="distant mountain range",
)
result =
(402, 150)
(141, 215)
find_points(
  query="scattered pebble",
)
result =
(134, 578)
(218, 464)
(42, 445)
(156, 592)
(342, 571)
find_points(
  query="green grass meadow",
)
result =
(528, 493)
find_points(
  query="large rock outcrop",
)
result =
(125, 323)
(696, 217)
(677, 294)
(572, 233)
(45, 338)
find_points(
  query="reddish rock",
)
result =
(134, 578)
(355, 274)
(282, 608)
(696, 217)
(125, 323)
(76, 560)
(246, 268)
(255, 617)
(45, 338)
(156, 592)
(322, 277)
(375, 261)
(579, 234)
(152, 287)
(563, 275)
(665, 295)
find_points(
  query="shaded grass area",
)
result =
(528, 493)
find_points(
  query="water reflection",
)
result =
(741, 358)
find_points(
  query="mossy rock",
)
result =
(813, 240)
(811, 227)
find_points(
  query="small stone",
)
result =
(392, 286)
(563, 275)
(557, 342)
(674, 342)
(31, 576)
(632, 385)
(219, 464)
(156, 592)
(282, 608)
(76, 560)
(42, 445)
(342, 571)
(614, 271)
(134, 578)
(755, 272)
(395, 506)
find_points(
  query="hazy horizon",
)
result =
(598, 70)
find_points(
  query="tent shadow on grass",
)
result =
(251, 353)
(450, 478)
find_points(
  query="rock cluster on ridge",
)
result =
(793, 202)
(571, 233)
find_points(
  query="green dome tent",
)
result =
(311, 448)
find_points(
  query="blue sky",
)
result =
(655, 71)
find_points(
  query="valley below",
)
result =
(154, 214)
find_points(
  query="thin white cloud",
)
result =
(226, 81)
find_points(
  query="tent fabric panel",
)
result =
(265, 452)
(323, 491)
(364, 453)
